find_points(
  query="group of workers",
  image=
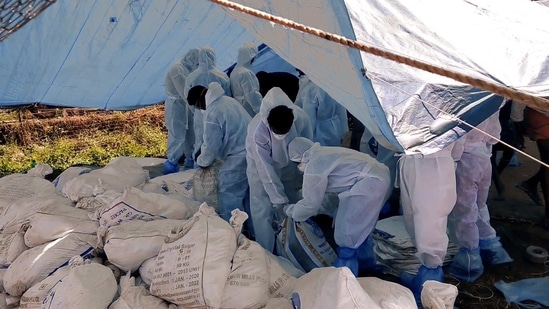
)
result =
(281, 157)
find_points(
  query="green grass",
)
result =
(97, 148)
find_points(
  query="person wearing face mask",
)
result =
(328, 117)
(177, 114)
(273, 178)
(203, 76)
(224, 137)
(363, 186)
(244, 83)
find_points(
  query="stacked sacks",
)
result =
(196, 259)
(193, 265)
(395, 251)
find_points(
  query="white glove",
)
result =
(301, 213)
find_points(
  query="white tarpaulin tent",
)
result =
(114, 54)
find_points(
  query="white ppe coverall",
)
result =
(178, 116)
(244, 83)
(361, 182)
(273, 179)
(328, 117)
(470, 218)
(203, 76)
(225, 125)
(428, 194)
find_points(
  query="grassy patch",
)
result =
(137, 137)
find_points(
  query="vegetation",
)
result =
(92, 138)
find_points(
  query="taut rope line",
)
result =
(505, 91)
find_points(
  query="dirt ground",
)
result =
(517, 221)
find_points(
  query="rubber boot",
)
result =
(467, 265)
(492, 252)
(366, 257)
(415, 283)
(347, 257)
(170, 167)
(189, 163)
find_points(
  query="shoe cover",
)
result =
(169, 167)
(533, 289)
(189, 163)
(415, 283)
(492, 252)
(467, 265)
(347, 257)
(366, 256)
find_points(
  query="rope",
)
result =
(538, 103)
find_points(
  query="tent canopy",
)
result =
(114, 54)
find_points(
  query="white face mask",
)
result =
(301, 167)
(279, 136)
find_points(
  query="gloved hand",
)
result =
(279, 214)
(289, 210)
(300, 212)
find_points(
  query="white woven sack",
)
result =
(281, 282)
(35, 264)
(205, 184)
(18, 212)
(68, 174)
(128, 245)
(279, 303)
(2, 271)
(304, 244)
(92, 203)
(16, 186)
(137, 297)
(44, 227)
(146, 270)
(388, 295)
(90, 286)
(11, 246)
(35, 295)
(330, 287)
(191, 269)
(249, 272)
(116, 175)
(438, 295)
(180, 183)
(135, 204)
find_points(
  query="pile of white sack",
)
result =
(395, 251)
(115, 238)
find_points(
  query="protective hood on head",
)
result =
(298, 147)
(190, 60)
(274, 97)
(246, 53)
(206, 58)
(214, 92)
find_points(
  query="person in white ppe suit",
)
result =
(362, 184)
(328, 117)
(428, 195)
(273, 178)
(225, 126)
(205, 74)
(178, 116)
(244, 83)
(470, 219)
